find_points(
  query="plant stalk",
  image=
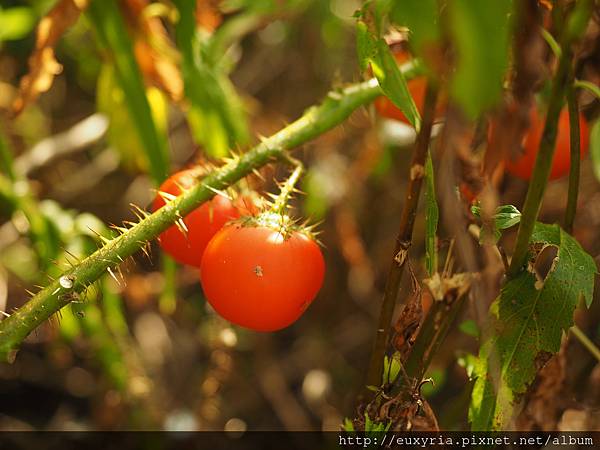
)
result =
(574, 28)
(432, 334)
(403, 240)
(575, 144)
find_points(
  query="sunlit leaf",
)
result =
(391, 79)
(109, 25)
(216, 115)
(16, 23)
(525, 326)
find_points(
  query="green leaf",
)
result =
(348, 425)
(216, 115)
(480, 31)
(16, 23)
(393, 83)
(365, 45)
(111, 30)
(506, 216)
(391, 368)
(525, 326)
(468, 361)
(421, 17)
(595, 148)
(376, 53)
(122, 132)
(470, 328)
(431, 218)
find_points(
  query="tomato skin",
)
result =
(561, 163)
(255, 278)
(202, 223)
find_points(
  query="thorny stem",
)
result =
(288, 187)
(403, 241)
(543, 162)
(337, 106)
(575, 144)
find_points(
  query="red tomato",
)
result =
(523, 166)
(256, 278)
(202, 223)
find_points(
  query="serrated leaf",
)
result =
(480, 31)
(431, 218)
(595, 148)
(525, 325)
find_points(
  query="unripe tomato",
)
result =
(258, 278)
(202, 223)
(523, 166)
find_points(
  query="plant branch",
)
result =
(287, 188)
(337, 106)
(575, 144)
(432, 334)
(403, 241)
(543, 163)
(586, 342)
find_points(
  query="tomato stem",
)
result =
(575, 145)
(403, 241)
(287, 188)
(543, 162)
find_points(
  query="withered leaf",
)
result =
(43, 66)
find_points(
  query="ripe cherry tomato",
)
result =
(255, 277)
(202, 223)
(523, 166)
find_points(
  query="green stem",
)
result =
(403, 241)
(337, 106)
(575, 144)
(585, 341)
(574, 28)
(287, 188)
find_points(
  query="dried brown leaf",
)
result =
(43, 66)
(154, 51)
